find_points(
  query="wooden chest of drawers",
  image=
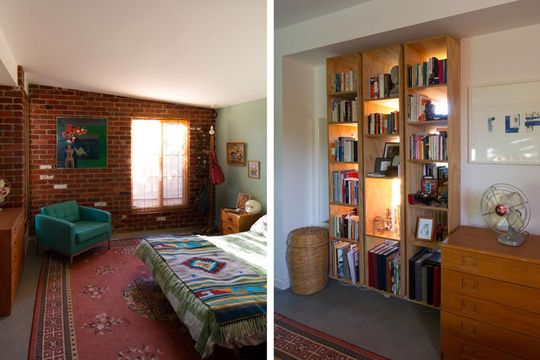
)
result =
(11, 256)
(490, 297)
(232, 222)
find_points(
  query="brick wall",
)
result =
(12, 108)
(111, 184)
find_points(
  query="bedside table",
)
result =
(232, 222)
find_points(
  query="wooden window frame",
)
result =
(185, 183)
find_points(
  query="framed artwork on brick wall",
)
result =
(81, 142)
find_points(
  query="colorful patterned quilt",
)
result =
(218, 292)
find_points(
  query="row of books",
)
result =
(346, 226)
(345, 261)
(344, 110)
(345, 149)
(425, 277)
(384, 267)
(345, 186)
(383, 123)
(431, 72)
(416, 109)
(344, 81)
(429, 147)
(380, 86)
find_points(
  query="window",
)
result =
(159, 158)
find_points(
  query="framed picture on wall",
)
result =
(81, 142)
(254, 169)
(236, 153)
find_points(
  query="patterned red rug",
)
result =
(293, 340)
(107, 306)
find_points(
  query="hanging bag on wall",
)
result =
(216, 174)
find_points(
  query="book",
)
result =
(412, 271)
(431, 72)
(418, 276)
(436, 286)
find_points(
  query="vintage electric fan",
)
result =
(5, 188)
(505, 209)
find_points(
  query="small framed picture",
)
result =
(254, 169)
(236, 153)
(424, 229)
(391, 149)
(241, 200)
(382, 165)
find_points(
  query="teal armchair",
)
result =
(70, 229)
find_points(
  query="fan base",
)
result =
(511, 238)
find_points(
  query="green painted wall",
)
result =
(243, 123)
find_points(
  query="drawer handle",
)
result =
(469, 263)
(468, 285)
(468, 329)
(469, 307)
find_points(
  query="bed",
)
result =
(216, 284)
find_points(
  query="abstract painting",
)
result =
(81, 142)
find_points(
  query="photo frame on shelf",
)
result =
(254, 169)
(241, 200)
(502, 122)
(382, 165)
(425, 227)
(391, 149)
(430, 186)
(236, 153)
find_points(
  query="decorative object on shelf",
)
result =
(254, 169)
(81, 142)
(241, 200)
(388, 220)
(236, 153)
(430, 186)
(252, 206)
(502, 118)
(5, 189)
(378, 224)
(424, 229)
(505, 209)
(394, 77)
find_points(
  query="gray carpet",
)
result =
(15, 329)
(391, 327)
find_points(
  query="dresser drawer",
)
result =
(456, 348)
(491, 336)
(494, 267)
(486, 311)
(521, 297)
(230, 218)
(228, 229)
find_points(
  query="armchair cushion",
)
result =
(85, 230)
(68, 211)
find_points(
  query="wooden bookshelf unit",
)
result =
(382, 113)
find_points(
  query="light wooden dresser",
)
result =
(11, 256)
(490, 297)
(233, 222)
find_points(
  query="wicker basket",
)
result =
(307, 257)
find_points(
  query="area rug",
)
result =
(293, 340)
(106, 305)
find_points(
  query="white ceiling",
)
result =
(184, 51)
(289, 12)
(497, 18)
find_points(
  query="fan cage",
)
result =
(490, 195)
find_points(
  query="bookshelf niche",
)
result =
(399, 153)
(345, 150)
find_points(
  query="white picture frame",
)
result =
(504, 123)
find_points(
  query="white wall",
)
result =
(8, 65)
(497, 57)
(294, 181)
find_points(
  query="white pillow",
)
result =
(261, 226)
